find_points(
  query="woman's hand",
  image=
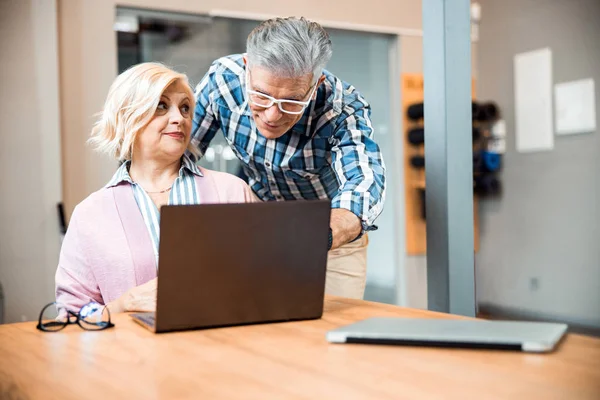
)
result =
(140, 298)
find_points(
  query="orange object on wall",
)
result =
(414, 178)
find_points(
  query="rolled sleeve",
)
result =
(359, 166)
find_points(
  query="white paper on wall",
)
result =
(575, 107)
(497, 145)
(497, 141)
(533, 101)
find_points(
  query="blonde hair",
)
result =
(130, 105)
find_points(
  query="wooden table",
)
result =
(281, 361)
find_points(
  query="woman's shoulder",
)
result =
(92, 205)
(230, 187)
(224, 178)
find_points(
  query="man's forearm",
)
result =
(345, 226)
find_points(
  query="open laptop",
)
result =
(483, 334)
(233, 264)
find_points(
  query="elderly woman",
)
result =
(110, 252)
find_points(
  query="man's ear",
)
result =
(321, 79)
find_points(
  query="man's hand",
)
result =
(140, 298)
(345, 227)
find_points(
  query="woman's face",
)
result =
(168, 133)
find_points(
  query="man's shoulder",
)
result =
(340, 90)
(337, 99)
(231, 66)
(226, 76)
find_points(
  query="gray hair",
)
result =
(289, 47)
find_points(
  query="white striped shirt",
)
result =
(183, 192)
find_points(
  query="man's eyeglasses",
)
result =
(287, 106)
(91, 317)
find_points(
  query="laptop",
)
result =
(483, 334)
(235, 264)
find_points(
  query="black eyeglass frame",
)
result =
(68, 320)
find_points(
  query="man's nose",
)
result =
(273, 113)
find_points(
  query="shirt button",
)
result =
(279, 197)
(267, 164)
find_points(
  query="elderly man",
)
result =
(300, 133)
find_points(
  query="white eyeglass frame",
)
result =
(279, 102)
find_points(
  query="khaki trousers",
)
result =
(347, 269)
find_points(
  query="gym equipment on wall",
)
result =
(415, 111)
(414, 162)
(480, 112)
(487, 185)
(486, 163)
(416, 136)
(417, 161)
(486, 112)
(491, 161)
(422, 198)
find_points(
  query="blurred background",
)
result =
(536, 149)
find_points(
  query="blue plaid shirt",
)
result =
(328, 154)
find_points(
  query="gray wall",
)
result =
(30, 173)
(546, 226)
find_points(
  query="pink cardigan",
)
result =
(107, 249)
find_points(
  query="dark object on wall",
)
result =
(62, 222)
(422, 198)
(474, 111)
(476, 134)
(415, 111)
(417, 161)
(477, 162)
(484, 112)
(487, 185)
(479, 112)
(416, 136)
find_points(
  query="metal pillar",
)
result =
(448, 156)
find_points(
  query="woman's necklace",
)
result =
(161, 191)
(157, 192)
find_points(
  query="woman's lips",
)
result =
(175, 135)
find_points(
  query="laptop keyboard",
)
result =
(147, 318)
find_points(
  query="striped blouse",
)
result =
(183, 192)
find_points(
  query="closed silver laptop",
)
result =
(505, 335)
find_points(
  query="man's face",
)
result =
(272, 122)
